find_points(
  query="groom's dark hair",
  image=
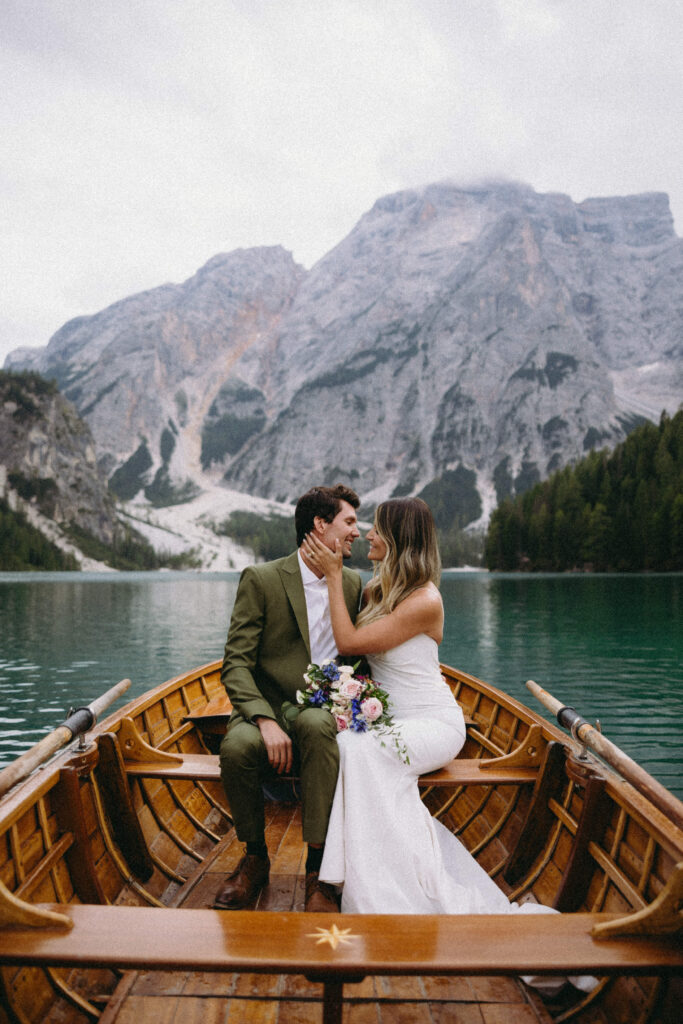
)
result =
(320, 501)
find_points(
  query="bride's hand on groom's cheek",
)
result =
(321, 556)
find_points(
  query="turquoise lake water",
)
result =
(609, 645)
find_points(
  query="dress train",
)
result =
(383, 847)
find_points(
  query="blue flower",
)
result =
(317, 699)
(331, 671)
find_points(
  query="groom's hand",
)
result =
(278, 745)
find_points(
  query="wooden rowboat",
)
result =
(112, 853)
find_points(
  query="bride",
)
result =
(383, 846)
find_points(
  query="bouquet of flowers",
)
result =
(352, 699)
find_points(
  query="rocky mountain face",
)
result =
(147, 372)
(48, 464)
(463, 341)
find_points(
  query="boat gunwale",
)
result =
(623, 792)
(31, 789)
(152, 696)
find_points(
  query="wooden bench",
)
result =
(288, 943)
(460, 772)
(213, 717)
(335, 949)
(519, 767)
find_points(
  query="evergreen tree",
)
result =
(23, 547)
(618, 511)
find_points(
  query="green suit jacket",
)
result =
(268, 647)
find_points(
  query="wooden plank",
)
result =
(212, 717)
(202, 767)
(343, 946)
(460, 772)
(118, 803)
(468, 772)
(539, 818)
(219, 707)
(71, 815)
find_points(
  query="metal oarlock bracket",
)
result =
(574, 728)
(79, 721)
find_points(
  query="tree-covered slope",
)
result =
(24, 547)
(618, 511)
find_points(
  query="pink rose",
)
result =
(372, 708)
(350, 688)
(342, 722)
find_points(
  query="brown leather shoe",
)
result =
(321, 897)
(244, 884)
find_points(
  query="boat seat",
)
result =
(460, 771)
(335, 948)
(213, 717)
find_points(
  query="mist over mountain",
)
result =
(461, 342)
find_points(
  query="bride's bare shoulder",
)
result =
(426, 610)
(427, 594)
(425, 603)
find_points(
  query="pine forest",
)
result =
(619, 511)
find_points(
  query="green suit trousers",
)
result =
(245, 768)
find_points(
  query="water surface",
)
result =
(609, 645)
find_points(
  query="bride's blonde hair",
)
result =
(412, 558)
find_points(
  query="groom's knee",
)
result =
(315, 725)
(242, 748)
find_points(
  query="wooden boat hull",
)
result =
(131, 837)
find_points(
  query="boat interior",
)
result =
(112, 854)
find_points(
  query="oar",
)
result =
(78, 722)
(585, 733)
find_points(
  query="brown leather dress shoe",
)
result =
(244, 884)
(321, 897)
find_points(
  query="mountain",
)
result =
(48, 466)
(56, 505)
(145, 372)
(460, 342)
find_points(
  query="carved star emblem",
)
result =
(334, 936)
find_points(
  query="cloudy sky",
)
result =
(142, 137)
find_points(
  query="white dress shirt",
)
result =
(320, 634)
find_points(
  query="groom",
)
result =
(280, 623)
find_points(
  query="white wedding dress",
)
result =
(383, 846)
